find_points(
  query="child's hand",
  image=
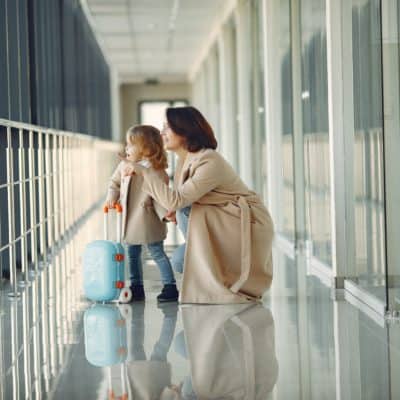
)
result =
(122, 155)
(111, 203)
(171, 216)
(128, 171)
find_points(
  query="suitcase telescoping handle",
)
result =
(118, 208)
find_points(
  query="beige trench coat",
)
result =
(142, 218)
(228, 255)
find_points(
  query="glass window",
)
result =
(258, 103)
(234, 92)
(153, 113)
(13, 60)
(212, 91)
(315, 128)
(24, 61)
(369, 209)
(391, 74)
(287, 227)
(281, 115)
(4, 98)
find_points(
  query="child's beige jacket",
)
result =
(142, 217)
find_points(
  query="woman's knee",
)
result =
(177, 259)
(182, 218)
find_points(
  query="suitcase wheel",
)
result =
(125, 295)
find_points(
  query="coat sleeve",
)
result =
(158, 208)
(114, 185)
(205, 177)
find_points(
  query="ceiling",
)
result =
(153, 39)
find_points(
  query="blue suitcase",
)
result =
(105, 335)
(104, 267)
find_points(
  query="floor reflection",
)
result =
(230, 351)
(36, 332)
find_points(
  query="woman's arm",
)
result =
(205, 178)
(161, 211)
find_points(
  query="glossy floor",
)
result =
(303, 342)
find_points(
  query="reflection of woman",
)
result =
(229, 234)
(231, 350)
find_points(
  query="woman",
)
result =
(228, 257)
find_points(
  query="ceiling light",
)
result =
(151, 81)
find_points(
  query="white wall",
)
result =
(133, 94)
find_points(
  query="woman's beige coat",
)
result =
(228, 255)
(142, 218)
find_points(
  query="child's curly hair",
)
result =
(149, 143)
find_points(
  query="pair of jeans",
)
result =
(182, 218)
(157, 254)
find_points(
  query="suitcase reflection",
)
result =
(114, 338)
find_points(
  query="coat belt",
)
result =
(245, 244)
(245, 233)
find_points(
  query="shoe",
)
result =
(168, 293)
(137, 293)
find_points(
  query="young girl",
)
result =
(142, 218)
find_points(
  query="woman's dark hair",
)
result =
(189, 123)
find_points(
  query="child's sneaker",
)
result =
(137, 293)
(168, 293)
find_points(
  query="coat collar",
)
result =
(190, 159)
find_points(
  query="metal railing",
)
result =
(49, 181)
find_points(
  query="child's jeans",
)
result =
(158, 255)
(182, 218)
